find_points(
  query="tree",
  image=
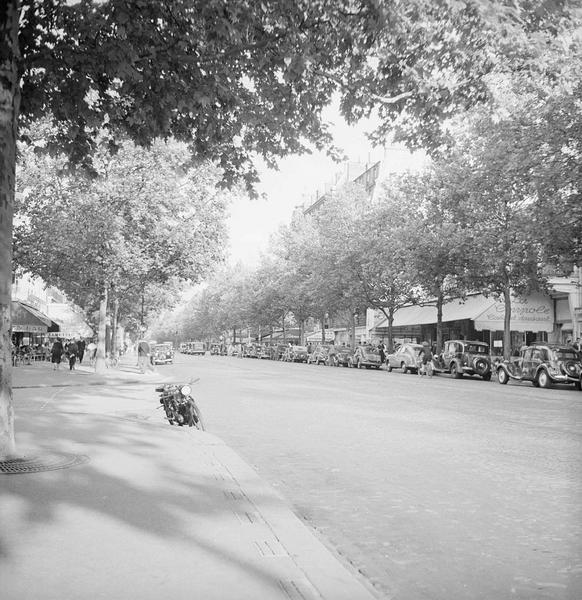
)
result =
(148, 217)
(435, 239)
(384, 249)
(494, 207)
(229, 79)
(433, 60)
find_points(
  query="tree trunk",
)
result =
(439, 307)
(100, 361)
(114, 327)
(353, 328)
(9, 110)
(507, 324)
(323, 329)
(390, 332)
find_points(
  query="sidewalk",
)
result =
(150, 512)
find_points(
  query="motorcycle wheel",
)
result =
(199, 422)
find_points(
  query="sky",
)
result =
(297, 181)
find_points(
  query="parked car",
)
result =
(264, 351)
(250, 351)
(163, 354)
(296, 354)
(319, 356)
(464, 357)
(215, 349)
(366, 356)
(543, 365)
(196, 348)
(277, 351)
(405, 358)
(341, 356)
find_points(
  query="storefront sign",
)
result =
(531, 313)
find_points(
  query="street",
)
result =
(427, 488)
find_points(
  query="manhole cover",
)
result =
(38, 464)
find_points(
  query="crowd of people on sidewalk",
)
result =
(70, 352)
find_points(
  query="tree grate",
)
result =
(38, 464)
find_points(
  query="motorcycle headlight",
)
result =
(186, 390)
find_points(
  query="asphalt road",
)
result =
(434, 489)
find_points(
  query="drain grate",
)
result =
(38, 464)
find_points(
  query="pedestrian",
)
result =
(72, 350)
(57, 351)
(382, 350)
(91, 350)
(81, 350)
(143, 353)
(425, 358)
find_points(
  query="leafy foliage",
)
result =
(231, 79)
(149, 217)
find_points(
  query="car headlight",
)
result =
(186, 390)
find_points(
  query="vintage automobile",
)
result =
(163, 354)
(250, 351)
(366, 356)
(340, 356)
(278, 351)
(215, 349)
(296, 354)
(264, 351)
(405, 358)
(543, 365)
(319, 356)
(464, 357)
(197, 348)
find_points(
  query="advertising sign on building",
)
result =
(529, 313)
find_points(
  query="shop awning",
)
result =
(71, 321)
(26, 319)
(532, 313)
(456, 310)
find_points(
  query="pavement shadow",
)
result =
(136, 475)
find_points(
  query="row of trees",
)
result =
(496, 214)
(122, 243)
(233, 80)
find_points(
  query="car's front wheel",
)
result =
(404, 368)
(389, 367)
(543, 379)
(502, 376)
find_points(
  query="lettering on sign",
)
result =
(522, 309)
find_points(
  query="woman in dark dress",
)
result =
(57, 353)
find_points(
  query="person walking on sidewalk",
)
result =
(72, 351)
(81, 350)
(92, 352)
(57, 353)
(143, 356)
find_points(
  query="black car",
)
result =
(543, 365)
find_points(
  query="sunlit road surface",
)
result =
(434, 489)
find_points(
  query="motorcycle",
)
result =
(179, 406)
